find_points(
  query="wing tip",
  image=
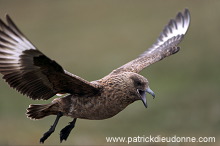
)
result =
(4, 24)
(173, 32)
(177, 26)
(183, 19)
(187, 16)
(7, 16)
(180, 23)
(186, 12)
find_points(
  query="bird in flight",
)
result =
(30, 72)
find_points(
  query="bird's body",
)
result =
(32, 73)
(117, 92)
(110, 101)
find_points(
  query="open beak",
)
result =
(143, 96)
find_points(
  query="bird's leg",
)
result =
(52, 128)
(64, 133)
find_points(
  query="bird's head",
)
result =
(127, 87)
(140, 87)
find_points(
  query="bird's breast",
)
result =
(93, 108)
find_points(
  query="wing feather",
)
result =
(165, 45)
(32, 73)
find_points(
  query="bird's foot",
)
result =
(64, 133)
(47, 134)
(52, 128)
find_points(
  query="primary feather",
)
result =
(165, 45)
(31, 72)
(176, 27)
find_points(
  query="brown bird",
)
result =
(31, 73)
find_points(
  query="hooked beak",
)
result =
(143, 96)
(150, 92)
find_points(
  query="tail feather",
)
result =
(38, 111)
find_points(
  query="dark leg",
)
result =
(52, 128)
(64, 133)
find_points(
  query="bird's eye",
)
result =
(139, 83)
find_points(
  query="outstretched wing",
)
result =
(165, 45)
(32, 73)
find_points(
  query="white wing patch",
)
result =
(13, 39)
(176, 27)
(12, 45)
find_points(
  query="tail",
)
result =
(38, 111)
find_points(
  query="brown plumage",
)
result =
(33, 74)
